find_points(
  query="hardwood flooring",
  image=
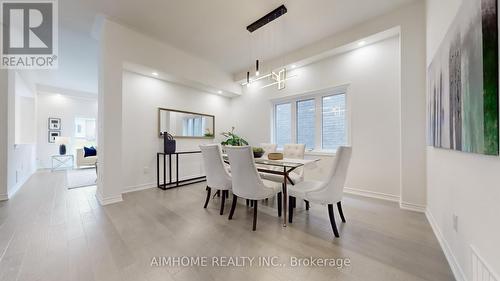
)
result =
(50, 233)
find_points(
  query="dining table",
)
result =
(283, 168)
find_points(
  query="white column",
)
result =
(109, 146)
(413, 111)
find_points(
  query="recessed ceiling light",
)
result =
(155, 73)
(362, 43)
(219, 92)
(294, 66)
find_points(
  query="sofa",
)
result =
(82, 161)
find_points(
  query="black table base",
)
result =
(177, 183)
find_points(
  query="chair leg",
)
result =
(233, 207)
(307, 205)
(332, 220)
(208, 197)
(291, 202)
(248, 202)
(217, 193)
(227, 193)
(222, 202)
(339, 206)
(254, 215)
(279, 204)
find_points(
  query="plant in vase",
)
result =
(233, 139)
(258, 152)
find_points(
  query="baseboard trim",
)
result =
(452, 261)
(108, 200)
(371, 194)
(13, 190)
(412, 207)
(4, 197)
(139, 187)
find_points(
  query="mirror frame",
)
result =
(187, 112)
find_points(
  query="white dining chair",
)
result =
(268, 148)
(327, 192)
(247, 183)
(290, 151)
(217, 176)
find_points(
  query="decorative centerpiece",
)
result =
(258, 152)
(168, 143)
(275, 156)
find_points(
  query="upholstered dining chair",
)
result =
(268, 148)
(247, 183)
(328, 192)
(290, 151)
(217, 176)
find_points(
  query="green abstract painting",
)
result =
(463, 82)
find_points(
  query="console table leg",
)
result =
(177, 169)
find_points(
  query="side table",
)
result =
(62, 162)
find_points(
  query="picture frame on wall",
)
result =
(55, 124)
(53, 135)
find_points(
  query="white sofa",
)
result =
(82, 161)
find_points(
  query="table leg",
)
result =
(157, 170)
(285, 197)
(164, 171)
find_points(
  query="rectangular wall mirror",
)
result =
(184, 124)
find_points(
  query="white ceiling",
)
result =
(216, 29)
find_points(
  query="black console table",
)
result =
(171, 184)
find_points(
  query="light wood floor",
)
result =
(50, 233)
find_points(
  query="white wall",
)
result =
(4, 105)
(25, 111)
(142, 96)
(66, 107)
(21, 157)
(467, 185)
(374, 100)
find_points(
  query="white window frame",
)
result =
(318, 97)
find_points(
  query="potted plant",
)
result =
(258, 152)
(233, 139)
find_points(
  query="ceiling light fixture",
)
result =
(219, 92)
(155, 73)
(293, 66)
(362, 43)
(275, 77)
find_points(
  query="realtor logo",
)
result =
(29, 34)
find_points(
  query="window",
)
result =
(319, 120)
(85, 128)
(283, 124)
(334, 122)
(306, 123)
